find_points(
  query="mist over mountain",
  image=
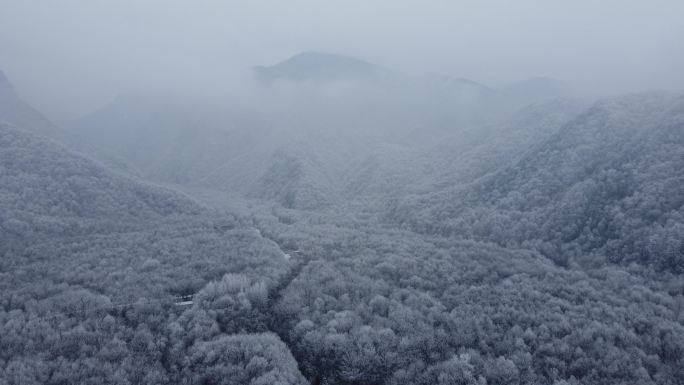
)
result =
(15, 111)
(420, 208)
(538, 88)
(320, 67)
(308, 136)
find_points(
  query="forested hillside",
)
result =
(92, 264)
(43, 176)
(394, 307)
(608, 183)
(347, 224)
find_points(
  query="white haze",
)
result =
(70, 57)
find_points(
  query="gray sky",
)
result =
(68, 57)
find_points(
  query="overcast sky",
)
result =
(70, 56)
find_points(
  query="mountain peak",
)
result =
(318, 57)
(317, 66)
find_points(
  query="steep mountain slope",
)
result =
(469, 156)
(609, 182)
(95, 260)
(40, 178)
(58, 203)
(460, 156)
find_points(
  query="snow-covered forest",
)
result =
(339, 221)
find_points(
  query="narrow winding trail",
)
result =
(276, 293)
(279, 322)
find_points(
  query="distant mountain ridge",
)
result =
(318, 66)
(310, 143)
(413, 230)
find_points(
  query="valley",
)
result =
(345, 224)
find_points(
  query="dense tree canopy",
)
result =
(552, 256)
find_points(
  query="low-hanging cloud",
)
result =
(69, 57)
